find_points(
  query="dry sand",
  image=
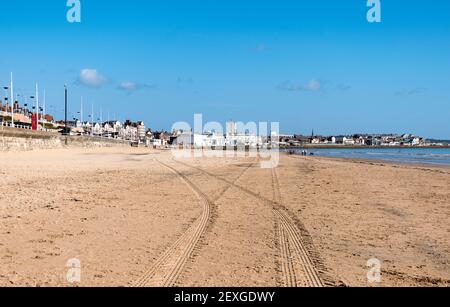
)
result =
(135, 217)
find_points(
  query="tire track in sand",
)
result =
(296, 263)
(301, 265)
(168, 268)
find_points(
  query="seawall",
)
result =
(19, 140)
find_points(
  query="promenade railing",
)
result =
(18, 126)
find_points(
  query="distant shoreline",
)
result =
(359, 147)
(403, 155)
(377, 162)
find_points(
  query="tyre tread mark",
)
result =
(167, 269)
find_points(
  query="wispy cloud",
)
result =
(313, 85)
(260, 48)
(181, 80)
(343, 87)
(411, 92)
(130, 86)
(91, 78)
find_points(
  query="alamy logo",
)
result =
(74, 273)
(74, 12)
(374, 273)
(238, 139)
(374, 13)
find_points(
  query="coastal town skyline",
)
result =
(164, 67)
(24, 108)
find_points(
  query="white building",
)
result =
(348, 141)
(208, 140)
(141, 133)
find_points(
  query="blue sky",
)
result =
(306, 64)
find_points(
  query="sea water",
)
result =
(436, 156)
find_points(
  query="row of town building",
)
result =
(25, 118)
(386, 140)
(128, 130)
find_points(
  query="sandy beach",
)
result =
(136, 217)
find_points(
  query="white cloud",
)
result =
(313, 85)
(92, 78)
(128, 86)
(411, 92)
(131, 86)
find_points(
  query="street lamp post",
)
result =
(43, 110)
(32, 108)
(6, 88)
(65, 112)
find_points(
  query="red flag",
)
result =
(34, 122)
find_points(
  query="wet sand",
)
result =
(135, 217)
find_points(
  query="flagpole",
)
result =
(43, 108)
(101, 122)
(92, 121)
(12, 101)
(66, 98)
(81, 111)
(37, 107)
